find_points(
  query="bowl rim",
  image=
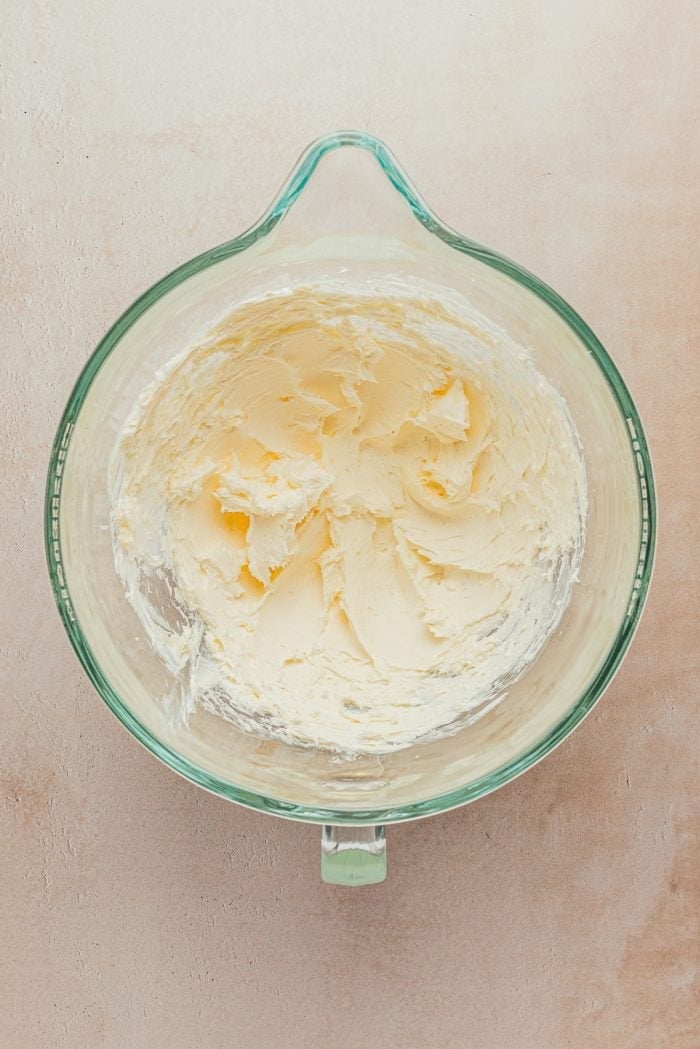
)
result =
(639, 450)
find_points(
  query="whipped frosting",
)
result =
(348, 518)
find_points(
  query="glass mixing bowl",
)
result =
(348, 210)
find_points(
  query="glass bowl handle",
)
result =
(353, 855)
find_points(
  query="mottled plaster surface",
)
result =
(137, 911)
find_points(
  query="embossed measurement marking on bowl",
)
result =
(349, 516)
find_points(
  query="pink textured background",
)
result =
(138, 911)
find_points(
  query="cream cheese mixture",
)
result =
(348, 519)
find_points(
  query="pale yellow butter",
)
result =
(369, 507)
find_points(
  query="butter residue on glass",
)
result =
(348, 519)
